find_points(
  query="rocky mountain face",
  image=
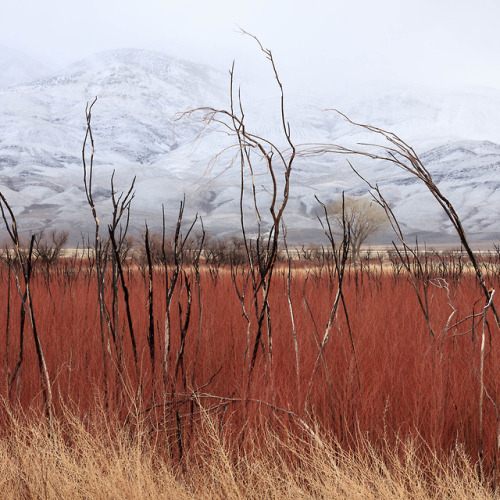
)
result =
(138, 133)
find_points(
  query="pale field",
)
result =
(99, 461)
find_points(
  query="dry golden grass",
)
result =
(71, 459)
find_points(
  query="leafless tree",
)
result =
(48, 248)
(363, 218)
(396, 151)
(25, 264)
(257, 156)
(114, 249)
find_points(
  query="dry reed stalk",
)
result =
(481, 377)
(100, 459)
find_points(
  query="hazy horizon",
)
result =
(323, 45)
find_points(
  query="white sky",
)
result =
(315, 43)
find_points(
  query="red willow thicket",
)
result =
(251, 332)
(380, 372)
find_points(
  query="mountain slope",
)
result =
(136, 132)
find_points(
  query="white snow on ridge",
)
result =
(136, 132)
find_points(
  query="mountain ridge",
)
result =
(136, 131)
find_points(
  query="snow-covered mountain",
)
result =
(137, 133)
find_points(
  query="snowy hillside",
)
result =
(42, 126)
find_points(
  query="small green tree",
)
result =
(363, 217)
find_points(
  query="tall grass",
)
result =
(95, 457)
(387, 410)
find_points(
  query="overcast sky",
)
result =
(314, 43)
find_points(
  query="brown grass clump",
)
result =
(92, 458)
